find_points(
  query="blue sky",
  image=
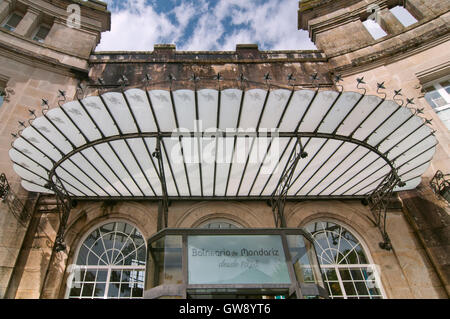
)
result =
(204, 25)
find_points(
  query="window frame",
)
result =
(36, 31)
(409, 12)
(109, 268)
(3, 90)
(5, 22)
(372, 34)
(436, 84)
(219, 220)
(2, 94)
(370, 264)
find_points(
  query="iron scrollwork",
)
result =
(379, 201)
(440, 183)
(15, 205)
(64, 204)
(278, 198)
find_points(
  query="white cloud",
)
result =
(271, 23)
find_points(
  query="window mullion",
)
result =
(341, 284)
(442, 92)
(105, 296)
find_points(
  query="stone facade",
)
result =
(407, 58)
(32, 71)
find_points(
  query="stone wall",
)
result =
(405, 272)
(32, 71)
(30, 84)
(165, 60)
(407, 58)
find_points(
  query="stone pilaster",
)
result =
(29, 23)
(5, 9)
(389, 22)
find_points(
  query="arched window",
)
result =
(220, 223)
(346, 269)
(110, 264)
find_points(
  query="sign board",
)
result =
(237, 259)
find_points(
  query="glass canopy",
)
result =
(228, 143)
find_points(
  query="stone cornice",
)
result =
(207, 57)
(397, 52)
(33, 59)
(311, 9)
(419, 24)
(342, 19)
(43, 45)
(87, 12)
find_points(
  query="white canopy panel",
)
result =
(228, 143)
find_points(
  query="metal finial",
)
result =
(147, 78)
(195, 78)
(290, 77)
(242, 78)
(218, 77)
(338, 78)
(61, 93)
(21, 123)
(123, 81)
(380, 86)
(101, 81)
(80, 91)
(360, 81)
(315, 76)
(62, 96)
(267, 78)
(398, 93)
(409, 101)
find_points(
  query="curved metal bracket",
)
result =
(15, 205)
(279, 195)
(64, 204)
(379, 201)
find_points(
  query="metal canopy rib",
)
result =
(78, 170)
(109, 147)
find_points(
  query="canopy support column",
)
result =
(379, 201)
(278, 198)
(64, 204)
(163, 204)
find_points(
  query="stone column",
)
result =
(29, 23)
(5, 9)
(389, 22)
(419, 8)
